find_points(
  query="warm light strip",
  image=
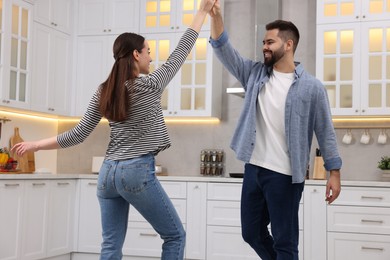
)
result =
(20, 115)
(361, 122)
(188, 120)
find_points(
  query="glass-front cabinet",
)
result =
(168, 15)
(196, 89)
(353, 55)
(15, 64)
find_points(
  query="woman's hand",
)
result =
(24, 147)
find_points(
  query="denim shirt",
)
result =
(307, 111)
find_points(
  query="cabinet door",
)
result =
(158, 16)
(61, 217)
(51, 77)
(338, 11)
(94, 62)
(196, 220)
(375, 68)
(123, 16)
(314, 223)
(226, 243)
(17, 53)
(101, 17)
(11, 194)
(338, 66)
(54, 13)
(93, 17)
(90, 231)
(342, 246)
(34, 234)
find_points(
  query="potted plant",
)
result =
(384, 165)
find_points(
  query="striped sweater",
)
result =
(144, 131)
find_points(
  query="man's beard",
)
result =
(275, 56)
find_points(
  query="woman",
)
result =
(132, 106)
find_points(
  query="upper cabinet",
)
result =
(99, 17)
(168, 15)
(55, 14)
(353, 55)
(15, 53)
(99, 23)
(196, 89)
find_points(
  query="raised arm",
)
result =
(204, 9)
(216, 21)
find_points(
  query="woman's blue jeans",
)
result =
(270, 197)
(134, 182)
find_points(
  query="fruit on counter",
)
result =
(4, 156)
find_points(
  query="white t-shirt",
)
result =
(270, 150)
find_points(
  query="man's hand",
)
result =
(333, 187)
(216, 10)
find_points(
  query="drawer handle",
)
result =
(371, 198)
(62, 183)
(39, 184)
(92, 183)
(148, 234)
(11, 185)
(372, 248)
(372, 221)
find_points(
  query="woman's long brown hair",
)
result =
(114, 98)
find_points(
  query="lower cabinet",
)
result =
(37, 218)
(359, 224)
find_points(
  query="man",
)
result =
(284, 106)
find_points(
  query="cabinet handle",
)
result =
(372, 248)
(148, 234)
(372, 221)
(39, 184)
(5, 101)
(104, 30)
(371, 198)
(51, 109)
(357, 16)
(363, 110)
(62, 183)
(109, 30)
(196, 187)
(11, 185)
(92, 183)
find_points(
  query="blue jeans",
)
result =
(134, 182)
(270, 197)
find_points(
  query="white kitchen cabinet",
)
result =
(57, 14)
(89, 222)
(35, 217)
(16, 54)
(101, 17)
(51, 77)
(94, 63)
(11, 204)
(61, 217)
(195, 91)
(353, 55)
(168, 15)
(314, 223)
(196, 221)
(359, 220)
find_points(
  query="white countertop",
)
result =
(48, 176)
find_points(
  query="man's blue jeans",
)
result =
(134, 181)
(270, 197)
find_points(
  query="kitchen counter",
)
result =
(48, 176)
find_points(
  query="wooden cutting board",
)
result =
(26, 163)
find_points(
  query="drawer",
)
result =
(342, 246)
(359, 219)
(175, 190)
(179, 204)
(224, 191)
(359, 196)
(226, 243)
(227, 213)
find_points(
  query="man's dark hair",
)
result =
(287, 31)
